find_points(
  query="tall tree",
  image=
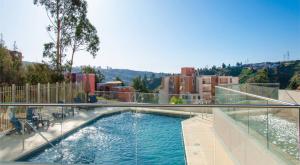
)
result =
(10, 67)
(39, 73)
(69, 29)
(84, 37)
(139, 85)
(119, 79)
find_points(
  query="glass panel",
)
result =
(276, 129)
(24, 130)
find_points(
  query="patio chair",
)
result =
(66, 112)
(93, 99)
(17, 124)
(19, 127)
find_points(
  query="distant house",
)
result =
(107, 86)
(115, 90)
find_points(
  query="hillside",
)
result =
(126, 74)
(267, 72)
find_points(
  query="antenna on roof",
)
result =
(15, 47)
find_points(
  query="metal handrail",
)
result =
(157, 105)
(35, 130)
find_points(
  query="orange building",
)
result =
(190, 86)
(187, 84)
(115, 90)
(188, 71)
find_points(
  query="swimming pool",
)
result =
(125, 138)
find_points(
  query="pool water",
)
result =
(126, 138)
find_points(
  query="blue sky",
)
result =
(164, 35)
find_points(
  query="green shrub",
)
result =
(176, 100)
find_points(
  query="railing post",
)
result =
(13, 93)
(39, 93)
(71, 91)
(27, 92)
(267, 127)
(48, 92)
(56, 92)
(64, 92)
(299, 133)
(1, 97)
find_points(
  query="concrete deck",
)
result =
(202, 146)
(292, 96)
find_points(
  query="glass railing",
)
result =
(275, 128)
(150, 98)
(269, 90)
(115, 127)
(133, 133)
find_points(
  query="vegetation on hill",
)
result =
(284, 73)
(146, 84)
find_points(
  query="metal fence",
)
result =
(40, 93)
(150, 98)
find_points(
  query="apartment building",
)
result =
(187, 80)
(188, 85)
(206, 85)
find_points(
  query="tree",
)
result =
(10, 67)
(245, 75)
(39, 73)
(261, 76)
(223, 65)
(84, 37)
(98, 74)
(88, 69)
(71, 28)
(99, 77)
(119, 79)
(139, 85)
(295, 81)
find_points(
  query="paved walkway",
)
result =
(292, 96)
(202, 147)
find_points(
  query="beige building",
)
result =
(191, 87)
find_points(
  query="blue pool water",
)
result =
(127, 138)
